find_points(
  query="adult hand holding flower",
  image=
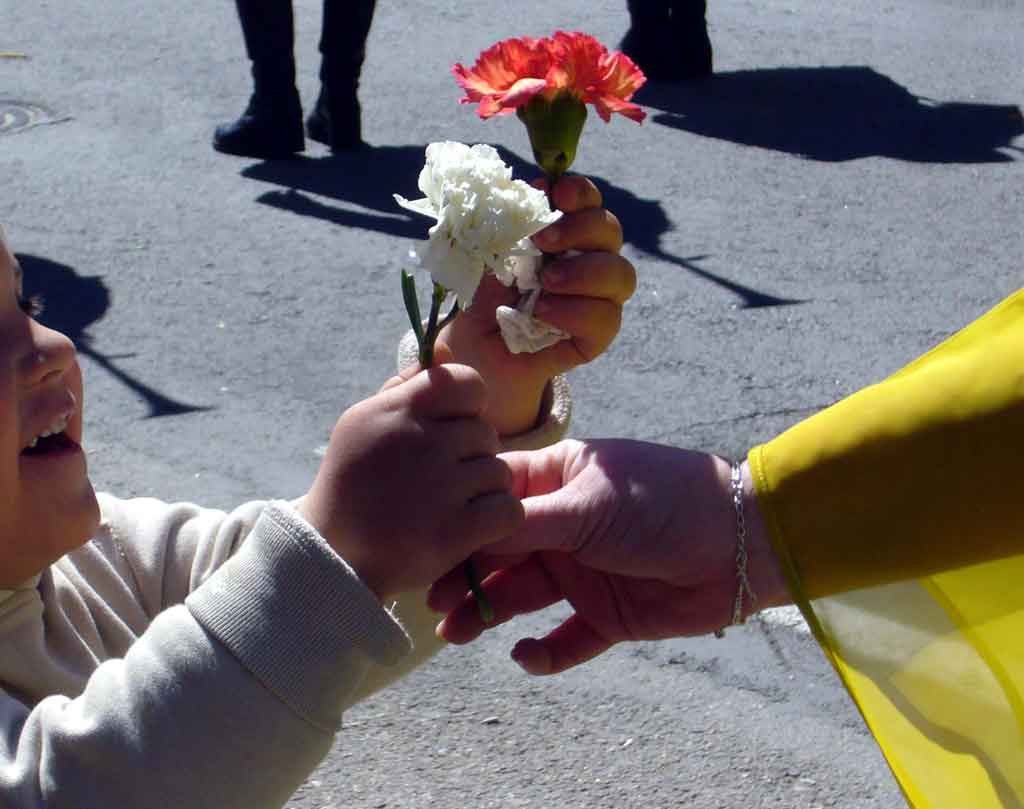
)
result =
(483, 221)
(583, 294)
(548, 83)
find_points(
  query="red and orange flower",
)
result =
(548, 83)
(511, 72)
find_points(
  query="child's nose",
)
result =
(52, 353)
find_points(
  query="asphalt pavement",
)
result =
(846, 191)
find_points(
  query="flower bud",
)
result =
(554, 126)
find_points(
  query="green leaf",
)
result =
(412, 306)
(448, 318)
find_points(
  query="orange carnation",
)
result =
(510, 73)
(505, 76)
(599, 77)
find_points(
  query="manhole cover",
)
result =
(18, 115)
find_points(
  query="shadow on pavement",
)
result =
(836, 114)
(74, 302)
(368, 178)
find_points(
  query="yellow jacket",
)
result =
(898, 515)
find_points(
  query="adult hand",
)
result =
(583, 295)
(639, 538)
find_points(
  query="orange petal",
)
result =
(502, 65)
(522, 91)
(606, 105)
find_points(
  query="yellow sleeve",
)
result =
(898, 515)
(887, 484)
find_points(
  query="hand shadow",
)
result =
(836, 114)
(368, 178)
(72, 303)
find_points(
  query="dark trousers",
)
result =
(269, 30)
(644, 13)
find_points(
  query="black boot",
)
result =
(266, 130)
(336, 118)
(668, 39)
(271, 125)
(336, 121)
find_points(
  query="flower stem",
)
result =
(430, 336)
(483, 604)
(425, 340)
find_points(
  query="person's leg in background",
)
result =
(668, 39)
(335, 120)
(271, 125)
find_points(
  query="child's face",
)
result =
(47, 505)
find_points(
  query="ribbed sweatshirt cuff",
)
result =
(297, 616)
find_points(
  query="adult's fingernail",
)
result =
(531, 657)
(548, 236)
(519, 656)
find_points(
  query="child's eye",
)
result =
(31, 305)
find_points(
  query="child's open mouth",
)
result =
(51, 439)
(48, 443)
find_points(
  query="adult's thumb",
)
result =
(554, 522)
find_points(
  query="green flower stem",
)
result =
(448, 318)
(430, 337)
(483, 604)
(425, 340)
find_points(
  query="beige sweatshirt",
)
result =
(185, 657)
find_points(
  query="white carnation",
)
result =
(484, 218)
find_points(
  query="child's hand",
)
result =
(582, 295)
(410, 485)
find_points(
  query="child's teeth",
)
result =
(57, 427)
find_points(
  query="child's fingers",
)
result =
(573, 193)
(480, 476)
(466, 439)
(570, 644)
(446, 392)
(593, 275)
(489, 517)
(442, 355)
(592, 322)
(588, 229)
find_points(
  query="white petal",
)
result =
(421, 206)
(483, 218)
(452, 268)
